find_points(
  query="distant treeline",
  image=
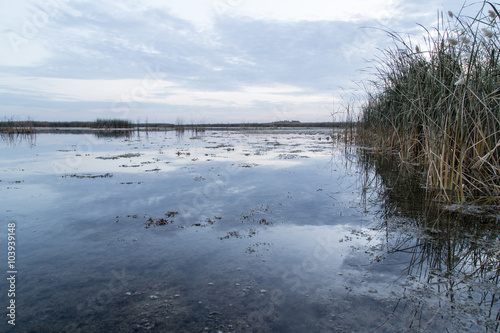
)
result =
(99, 123)
(120, 123)
(280, 124)
(277, 124)
(16, 126)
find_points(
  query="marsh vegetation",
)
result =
(14, 130)
(273, 227)
(437, 103)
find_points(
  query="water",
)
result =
(235, 231)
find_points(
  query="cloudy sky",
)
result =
(199, 61)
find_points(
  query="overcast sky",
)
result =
(200, 61)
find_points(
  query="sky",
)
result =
(195, 61)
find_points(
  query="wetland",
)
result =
(271, 230)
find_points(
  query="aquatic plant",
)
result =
(113, 123)
(16, 126)
(15, 131)
(179, 125)
(440, 105)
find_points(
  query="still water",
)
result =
(235, 231)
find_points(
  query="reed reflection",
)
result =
(453, 249)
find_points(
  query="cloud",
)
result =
(221, 58)
(318, 10)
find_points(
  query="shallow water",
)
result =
(244, 231)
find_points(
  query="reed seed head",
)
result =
(450, 14)
(417, 49)
(492, 14)
(423, 108)
(488, 33)
(461, 80)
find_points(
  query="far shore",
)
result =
(28, 127)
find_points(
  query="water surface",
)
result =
(235, 231)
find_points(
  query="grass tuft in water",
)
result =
(14, 130)
(113, 123)
(17, 126)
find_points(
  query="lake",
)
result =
(236, 231)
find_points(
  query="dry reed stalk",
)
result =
(441, 107)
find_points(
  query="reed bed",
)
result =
(15, 131)
(16, 126)
(113, 123)
(437, 103)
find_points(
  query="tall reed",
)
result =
(16, 126)
(112, 123)
(438, 104)
(15, 131)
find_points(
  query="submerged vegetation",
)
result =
(437, 104)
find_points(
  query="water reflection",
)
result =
(100, 134)
(450, 253)
(244, 231)
(18, 138)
